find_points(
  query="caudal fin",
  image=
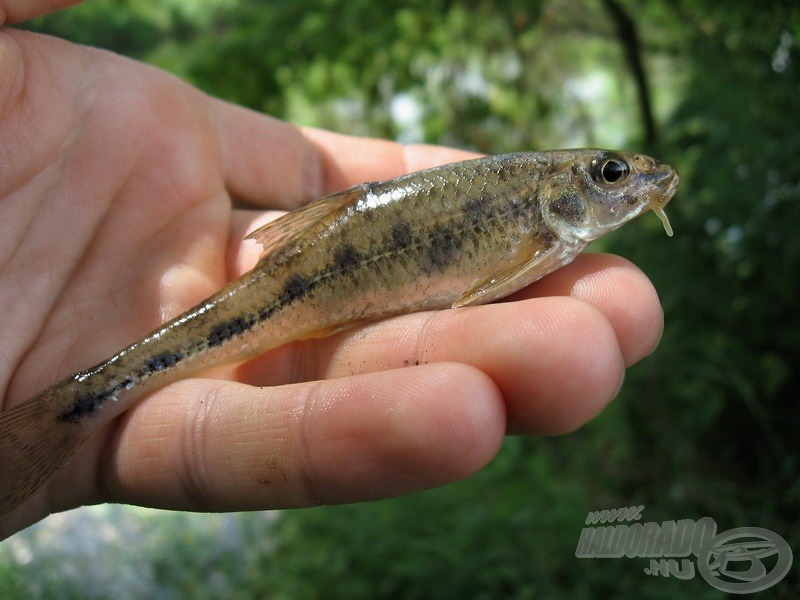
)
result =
(33, 445)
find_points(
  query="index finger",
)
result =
(22, 10)
(273, 164)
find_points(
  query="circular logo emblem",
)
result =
(734, 561)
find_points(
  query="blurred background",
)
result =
(705, 427)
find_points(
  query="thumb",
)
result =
(21, 10)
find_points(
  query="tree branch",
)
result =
(626, 30)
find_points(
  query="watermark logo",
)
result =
(738, 561)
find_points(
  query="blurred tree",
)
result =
(628, 36)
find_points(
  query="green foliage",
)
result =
(705, 427)
(511, 531)
(726, 371)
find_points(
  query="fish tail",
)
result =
(34, 444)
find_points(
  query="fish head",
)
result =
(596, 191)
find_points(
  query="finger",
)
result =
(359, 438)
(619, 289)
(271, 163)
(244, 254)
(22, 10)
(348, 160)
(556, 361)
(12, 84)
(265, 161)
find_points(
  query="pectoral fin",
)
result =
(515, 278)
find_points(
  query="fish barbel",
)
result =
(457, 235)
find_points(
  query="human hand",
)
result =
(115, 215)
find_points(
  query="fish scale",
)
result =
(454, 236)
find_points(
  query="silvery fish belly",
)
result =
(452, 236)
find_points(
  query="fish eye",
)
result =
(610, 170)
(614, 170)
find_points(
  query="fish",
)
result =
(448, 237)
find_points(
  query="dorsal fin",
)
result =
(276, 235)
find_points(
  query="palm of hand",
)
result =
(114, 214)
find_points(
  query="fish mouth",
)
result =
(659, 201)
(672, 188)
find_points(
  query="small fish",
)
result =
(457, 235)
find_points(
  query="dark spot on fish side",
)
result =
(478, 209)
(266, 312)
(629, 199)
(161, 361)
(401, 235)
(569, 207)
(443, 245)
(85, 404)
(228, 329)
(295, 289)
(346, 258)
(298, 286)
